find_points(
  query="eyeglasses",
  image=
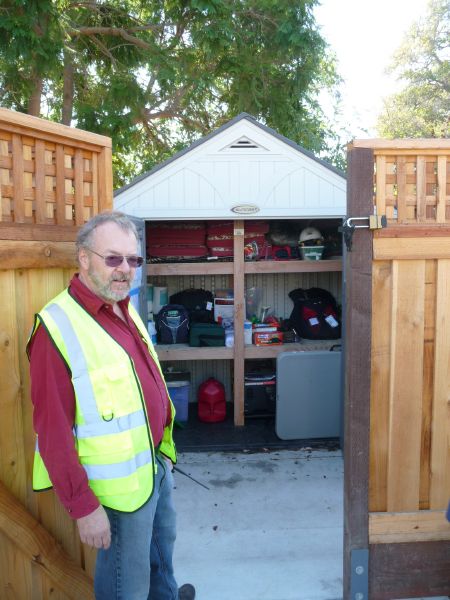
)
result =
(115, 260)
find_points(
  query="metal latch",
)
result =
(372, 222)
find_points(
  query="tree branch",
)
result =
(104, 49)
(112, 31)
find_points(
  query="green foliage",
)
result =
(422, 108)
(156, 75)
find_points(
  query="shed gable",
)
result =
(242, 164)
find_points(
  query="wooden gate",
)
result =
(397, 423)
(52, 179)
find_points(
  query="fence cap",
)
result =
(10, 119)
(411, 144)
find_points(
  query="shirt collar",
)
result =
(89, 300)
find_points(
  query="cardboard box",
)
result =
(266, 339)
(224, 308)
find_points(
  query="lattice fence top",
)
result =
(50, 174)
(411, 180)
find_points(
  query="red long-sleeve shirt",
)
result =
(53, 398)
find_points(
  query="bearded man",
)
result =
(104, 419)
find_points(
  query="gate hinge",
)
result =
(349, 226)
(359, 578)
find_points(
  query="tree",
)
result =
(422, 108)
(155, 75)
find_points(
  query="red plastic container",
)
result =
(212, 407)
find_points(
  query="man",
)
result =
(104, 419)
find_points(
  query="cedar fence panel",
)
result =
(408, 457)
(53, 178)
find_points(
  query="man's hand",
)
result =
(95, 529)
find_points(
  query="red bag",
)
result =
(212, 407)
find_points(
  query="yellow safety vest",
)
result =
(111, 430)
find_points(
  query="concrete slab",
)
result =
(269, 528)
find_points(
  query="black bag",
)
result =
(198, 302)
(206, 334)
(315, 315)
(172, 324)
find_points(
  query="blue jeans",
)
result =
(138, 564)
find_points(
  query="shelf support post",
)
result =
(239, 316)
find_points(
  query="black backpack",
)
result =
(315, 315)
(172, 324)
(198, 302)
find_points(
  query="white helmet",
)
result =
(310, 236)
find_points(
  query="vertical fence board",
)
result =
(381, 184)
(442, 189)
(39, 182)
(94, 186)
(12, 460)
(78, 185)
(440, 445)
(428, 381)
(60, 185)
(105, 181)
(379, 395)
(17, 176)
(406, 385)
(4, 179)
(402, 213)
(421, 187)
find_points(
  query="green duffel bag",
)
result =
(206, 334)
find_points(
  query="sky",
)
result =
(364, 35)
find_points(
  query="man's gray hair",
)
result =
(85, 234)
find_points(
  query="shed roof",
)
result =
(218, 131)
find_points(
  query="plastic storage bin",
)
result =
(179, 394)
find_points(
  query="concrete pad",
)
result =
(269, 528)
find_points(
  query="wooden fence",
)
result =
(53, 178)
(403, 396)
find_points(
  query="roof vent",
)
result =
(244, 143)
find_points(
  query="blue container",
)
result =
(179, 394)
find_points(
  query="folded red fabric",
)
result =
(172, 251)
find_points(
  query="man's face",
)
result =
(109, 283)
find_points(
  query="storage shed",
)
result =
(243, 172)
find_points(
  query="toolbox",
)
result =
(206, 334)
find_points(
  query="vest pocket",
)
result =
(114, 463)
(113, 385)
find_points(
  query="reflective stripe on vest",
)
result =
(78, 364)
(122, 469)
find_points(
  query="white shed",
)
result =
(243, 169)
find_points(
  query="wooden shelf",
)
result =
(197, 268)
(185, 352)
(273, 351)
(292, 266)
(260, 266)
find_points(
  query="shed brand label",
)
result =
(245, 209)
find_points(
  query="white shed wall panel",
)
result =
(212, 178)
